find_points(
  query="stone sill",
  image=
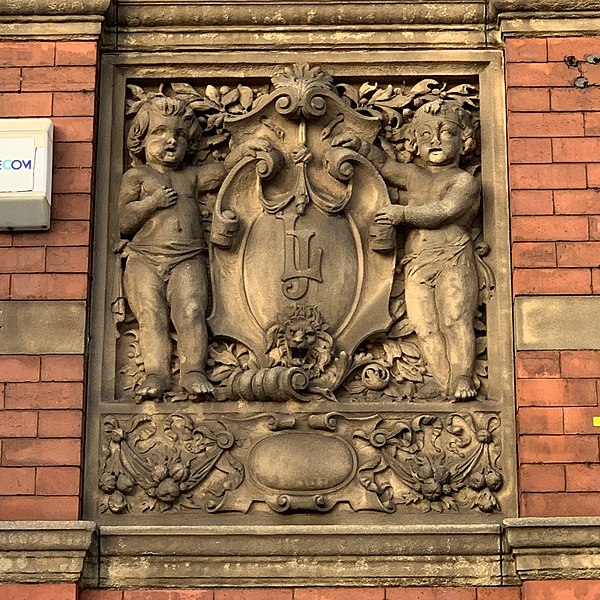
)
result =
(555, 548)
(43, 551)
(296, 555)
(274, 555)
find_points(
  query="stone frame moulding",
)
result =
(136, 551)
(79, 20)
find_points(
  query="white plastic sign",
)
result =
(25, 174)
(17, 164)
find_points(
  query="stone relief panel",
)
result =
(300, 302)
(427, 462)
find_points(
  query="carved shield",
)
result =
(294, 218)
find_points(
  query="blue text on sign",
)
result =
(15, 164)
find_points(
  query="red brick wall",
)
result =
(554, 140)
(554, 143)
(41, 397)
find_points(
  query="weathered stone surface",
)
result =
(43, 551)
(556, 322)
(555, 548)
(42, 327)
(47, 7)
(299, 555)
(144, 13)
(541, 6)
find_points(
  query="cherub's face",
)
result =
(439, 141)
(167, 139)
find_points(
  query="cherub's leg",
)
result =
(187, 293)
(457, 290)
(145, 292)
(422, 313)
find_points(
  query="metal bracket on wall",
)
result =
(575, 63)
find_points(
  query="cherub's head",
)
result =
(163, 131)
(441, 133)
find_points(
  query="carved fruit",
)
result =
(486, 502)
(168, 490)
(441, 474)
(375, 377)
(159, 472)
(125, 483)
(178, 472)
(117, 502)
(108, 483)
(493, 480)
(477, 481)
(425, 472)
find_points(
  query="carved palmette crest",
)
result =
(291, 227)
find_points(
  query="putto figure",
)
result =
(440, 265)
(165, 279)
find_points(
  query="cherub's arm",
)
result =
(392, 171)
(134, 210)
(460, 197)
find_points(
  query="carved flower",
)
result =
(117, 502)
(434, 481)
(125, 483)
(168, 490)
(108, 483)
(431, 489)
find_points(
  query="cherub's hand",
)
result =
(163, 197)
(250, 148)
(347, 140)
(393, 215)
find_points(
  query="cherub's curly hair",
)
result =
(170, 107)
(451, 110)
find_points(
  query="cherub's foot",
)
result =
(154, 386)
(464, 388)
(196, 383)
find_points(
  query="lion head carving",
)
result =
(300, 339)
